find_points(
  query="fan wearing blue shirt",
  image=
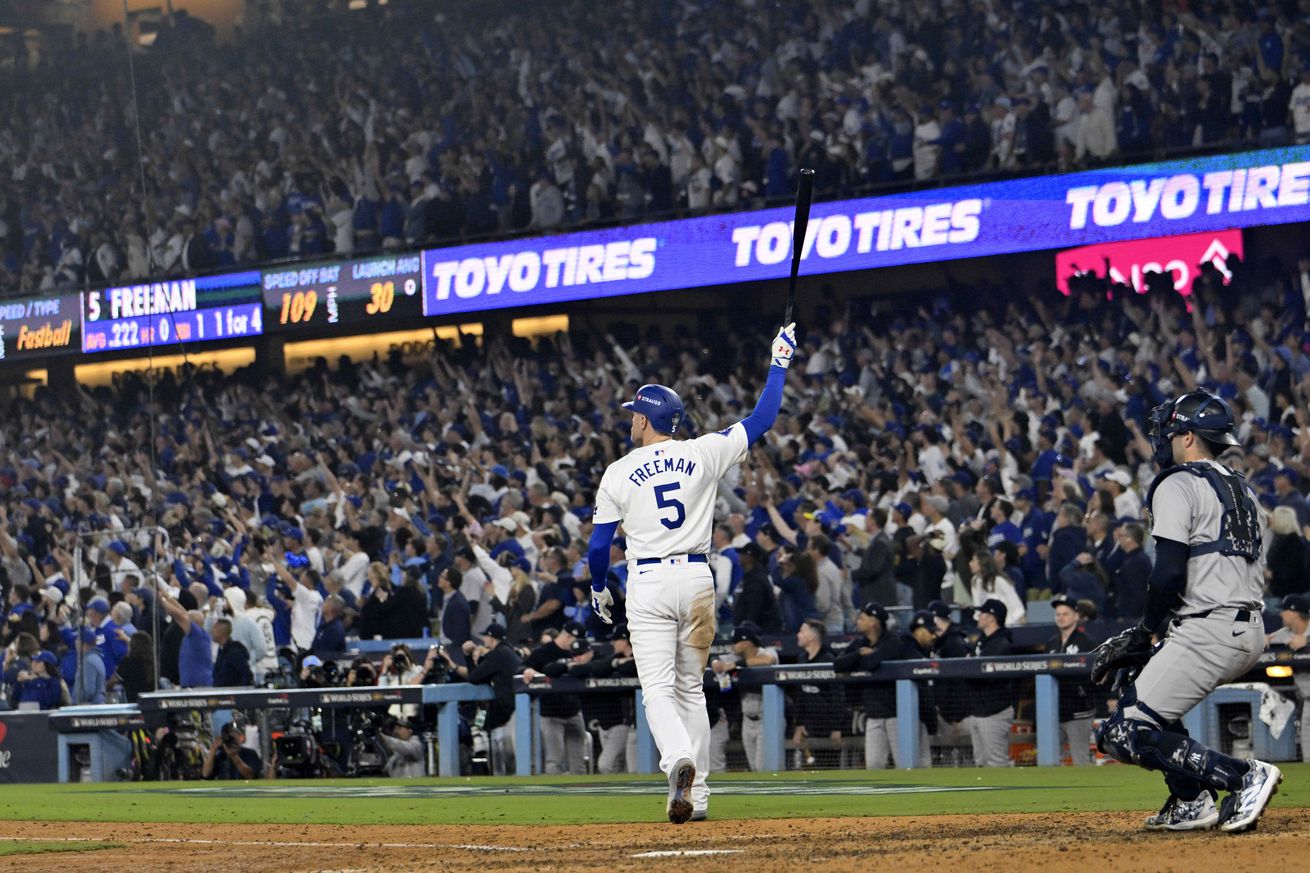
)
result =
(1003, 530)
(195, 659)
(112, 648)
(89, 682)
(42, 686)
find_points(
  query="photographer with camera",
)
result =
(398, 668)
(404, 749)
(361, 673)
(495, 663)
(317, 673)
(228, 758)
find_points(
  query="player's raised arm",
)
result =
(782, 350)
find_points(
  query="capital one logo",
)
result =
(5, 754)
(1181, 257)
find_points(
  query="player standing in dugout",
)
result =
(1211, 539)
(664, 492)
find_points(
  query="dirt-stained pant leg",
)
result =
(671, 620)
(696, 605)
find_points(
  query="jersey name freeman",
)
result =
(661, 465)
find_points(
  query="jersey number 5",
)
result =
(663, 501)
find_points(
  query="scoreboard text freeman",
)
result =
(135, 300)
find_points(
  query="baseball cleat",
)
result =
(1247, 805)
(1185, 815)
(700, 814)
(680, 779)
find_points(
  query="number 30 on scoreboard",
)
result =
(382, 295)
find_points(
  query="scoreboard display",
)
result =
(39, 327)
(355, 292)
(171, 312)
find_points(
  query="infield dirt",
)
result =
(1051, 843)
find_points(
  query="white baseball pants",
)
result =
(671, 619)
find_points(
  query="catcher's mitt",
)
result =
(1128, 650)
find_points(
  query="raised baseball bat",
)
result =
(804, 194)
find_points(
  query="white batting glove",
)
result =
(784, 346)
(601, 601)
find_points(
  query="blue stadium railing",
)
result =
(1045, 670)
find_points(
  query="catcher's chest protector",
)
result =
(1239, 530)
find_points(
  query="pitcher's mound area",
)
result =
(1047, 842)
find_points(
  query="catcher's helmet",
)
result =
(1200, 412)
(660, 405)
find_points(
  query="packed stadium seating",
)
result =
(989, 433)
(401, 125)
(933, 413)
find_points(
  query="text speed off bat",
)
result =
(804, 194)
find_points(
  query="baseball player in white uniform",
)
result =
(664, 491)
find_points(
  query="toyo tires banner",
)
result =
(1045, 212)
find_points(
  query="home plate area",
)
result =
(1048, 842)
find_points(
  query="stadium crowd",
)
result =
(984, 449)
(402, 126)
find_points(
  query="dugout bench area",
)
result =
(88, 742)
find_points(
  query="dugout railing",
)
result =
(79, 726)
(910, 679)
(446, 698)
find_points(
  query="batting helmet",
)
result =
(660, 405)
(1199, 412)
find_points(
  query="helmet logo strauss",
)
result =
(660, 404)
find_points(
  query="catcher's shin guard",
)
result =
(1188, 766)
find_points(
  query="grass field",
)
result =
(610, 799)
(41, 847)
(1041, 819)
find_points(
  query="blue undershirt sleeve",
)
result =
(598, 553)
(1168, 580)
(766, 408)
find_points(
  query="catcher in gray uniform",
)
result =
(1208, 581)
